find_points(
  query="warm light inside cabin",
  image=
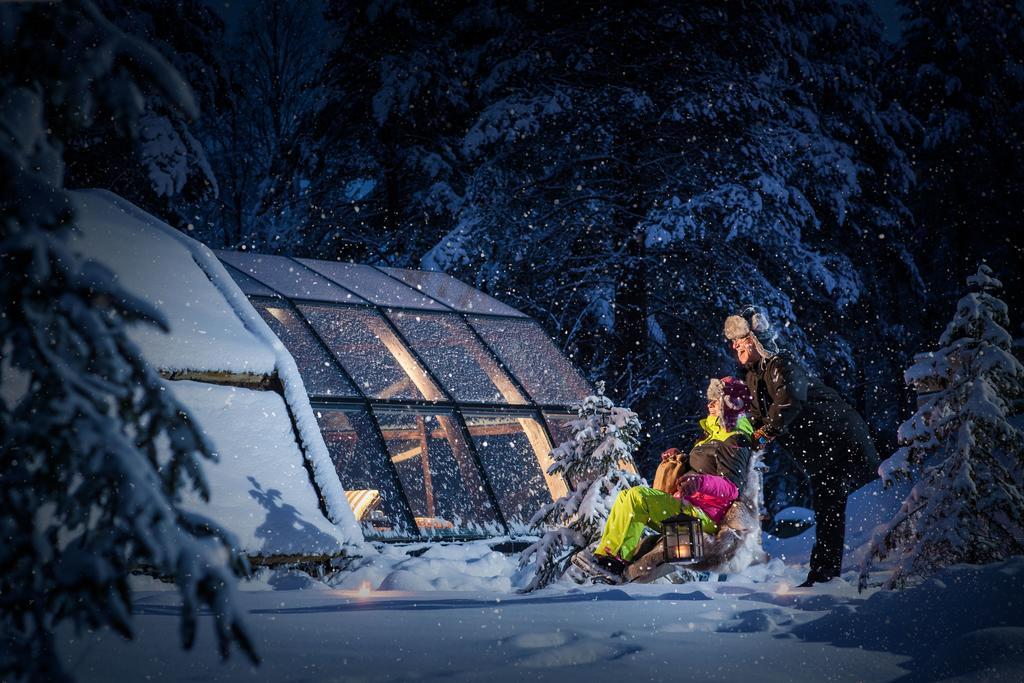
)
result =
(363, 502)
(405, 359)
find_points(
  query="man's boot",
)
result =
(814, 577)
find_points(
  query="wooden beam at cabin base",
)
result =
(246, 380)
(313, 564)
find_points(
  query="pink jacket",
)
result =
(714, 494)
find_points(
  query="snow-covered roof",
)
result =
(149, 259)
(275, 469)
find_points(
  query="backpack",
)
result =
(670, 471)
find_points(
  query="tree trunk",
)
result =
(631, 308)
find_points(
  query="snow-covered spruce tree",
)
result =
(966, 459)
(94, 454)
(604, 435)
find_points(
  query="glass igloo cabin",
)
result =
(438, 404)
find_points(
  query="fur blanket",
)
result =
(736, 546)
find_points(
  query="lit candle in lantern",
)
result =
(684, 541)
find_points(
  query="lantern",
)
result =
(684, 541)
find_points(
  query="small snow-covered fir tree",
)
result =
(604, 437)
(965, 457)
(95, 454)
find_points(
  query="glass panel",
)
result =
(373, 285)
(439, 474)
(248, 285)
(527, 351)
(558, 425)
(516, 453)
(361, 462)
(372, 353)
(457, 358)
(319, 372)
(289, 277)
(455, 293)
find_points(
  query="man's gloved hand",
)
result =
(762, 439)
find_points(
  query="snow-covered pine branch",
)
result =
(95, 454)
(960, 449)
(171, 155)
(605, 437)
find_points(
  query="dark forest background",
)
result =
(628, 173)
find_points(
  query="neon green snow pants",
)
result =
(639, 507)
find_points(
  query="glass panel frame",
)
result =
(249, 285)
(289, 277)
(560, 432)
(373, 355)
(371, 484)
(533, 359)
(457, 358)
(373, 285)
(453, 292)
(321, 374)
(451, 468)
(515, 453)
(489, 370)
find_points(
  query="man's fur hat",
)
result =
(753, 321)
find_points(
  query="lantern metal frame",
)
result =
(683, 539)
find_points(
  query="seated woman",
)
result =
(715, 470)
(725, 447)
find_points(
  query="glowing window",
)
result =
(372, 353)
(438, 472)
(320, 373)
(527, 351)
(368, 479)
(516, 453)
(456, 357)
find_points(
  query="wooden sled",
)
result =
(736, 546)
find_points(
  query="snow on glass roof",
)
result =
(437, 402)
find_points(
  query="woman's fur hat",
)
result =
(733, 399)
(753, 321)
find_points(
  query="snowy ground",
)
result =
(450, 613)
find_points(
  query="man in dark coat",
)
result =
(823, 433)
